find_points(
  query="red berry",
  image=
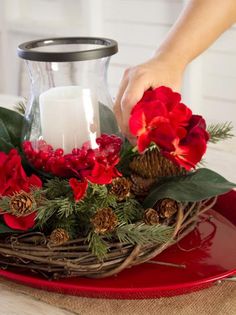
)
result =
(75, 151)
(60, 161)
(44, 155)
(59, 152)
(38, 163)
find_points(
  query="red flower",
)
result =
(102, 174)
(190, 149)
(160, 118)
(157, 117)
(14, 179)
(20, 223)
(79, 188)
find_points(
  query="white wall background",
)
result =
(139, 26)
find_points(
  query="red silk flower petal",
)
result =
(79, 188)
(162, 133)
(20, 223)
(189, 152)
(137, 122)
(35, 181)
(102, 174)
(167, 96)
(143, 142)
(160, 118)
(180, 115)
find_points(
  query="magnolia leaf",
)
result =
(11, 126)
(4, 132)
(5, 229)
(108, 123)
(196, 186)
(5, 146)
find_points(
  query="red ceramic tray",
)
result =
(208, 253)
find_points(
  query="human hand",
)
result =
(136, 80)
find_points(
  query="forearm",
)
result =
(198, 26)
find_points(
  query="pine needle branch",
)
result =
(54, 209)
(143, 234)
(57, 187)
(4, 204)
(97, 245)
(129, 211)
(220, 131)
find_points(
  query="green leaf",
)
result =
(4, 132)
(196, 186)
(127, 154)
(6, 229)
(108, 122)
(11, 126)
(5, 146)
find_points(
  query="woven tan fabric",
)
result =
(217, 300)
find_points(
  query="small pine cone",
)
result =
(141, 186)
(152, 164)
(166, 208)
(151, 216)
(22, 204)
(120, 188)
(104, 220)
(58, 237)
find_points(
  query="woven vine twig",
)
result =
(31, 251)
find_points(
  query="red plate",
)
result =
(208, 253)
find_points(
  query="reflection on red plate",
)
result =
(208, 253)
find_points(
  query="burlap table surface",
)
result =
(217, 300)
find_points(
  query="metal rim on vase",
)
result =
(27, 50)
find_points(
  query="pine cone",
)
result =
(166, 208)
(104, 220)
(22, 204)
(58, 237)
(120, 188)
(141, 186)
(152, 164)
(151, 216)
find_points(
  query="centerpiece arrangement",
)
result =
(77, 199)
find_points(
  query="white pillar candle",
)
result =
(69, 117)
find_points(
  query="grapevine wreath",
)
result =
(94, 212)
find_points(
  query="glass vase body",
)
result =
(69, 113)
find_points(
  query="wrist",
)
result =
(172, 60)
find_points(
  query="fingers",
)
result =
(132, 94)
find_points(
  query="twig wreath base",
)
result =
(33, 252)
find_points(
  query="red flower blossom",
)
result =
(20, 223)
(79, 188)
(102, 174)
(157, 117)
(14, 179)
(190, 149)
(161, 118)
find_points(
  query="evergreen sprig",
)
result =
(57, 187)
(220, 131)
(97, 245)
(70, 225)
(129, 211)
(54, 209)
(143, 234)
(4, 203)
